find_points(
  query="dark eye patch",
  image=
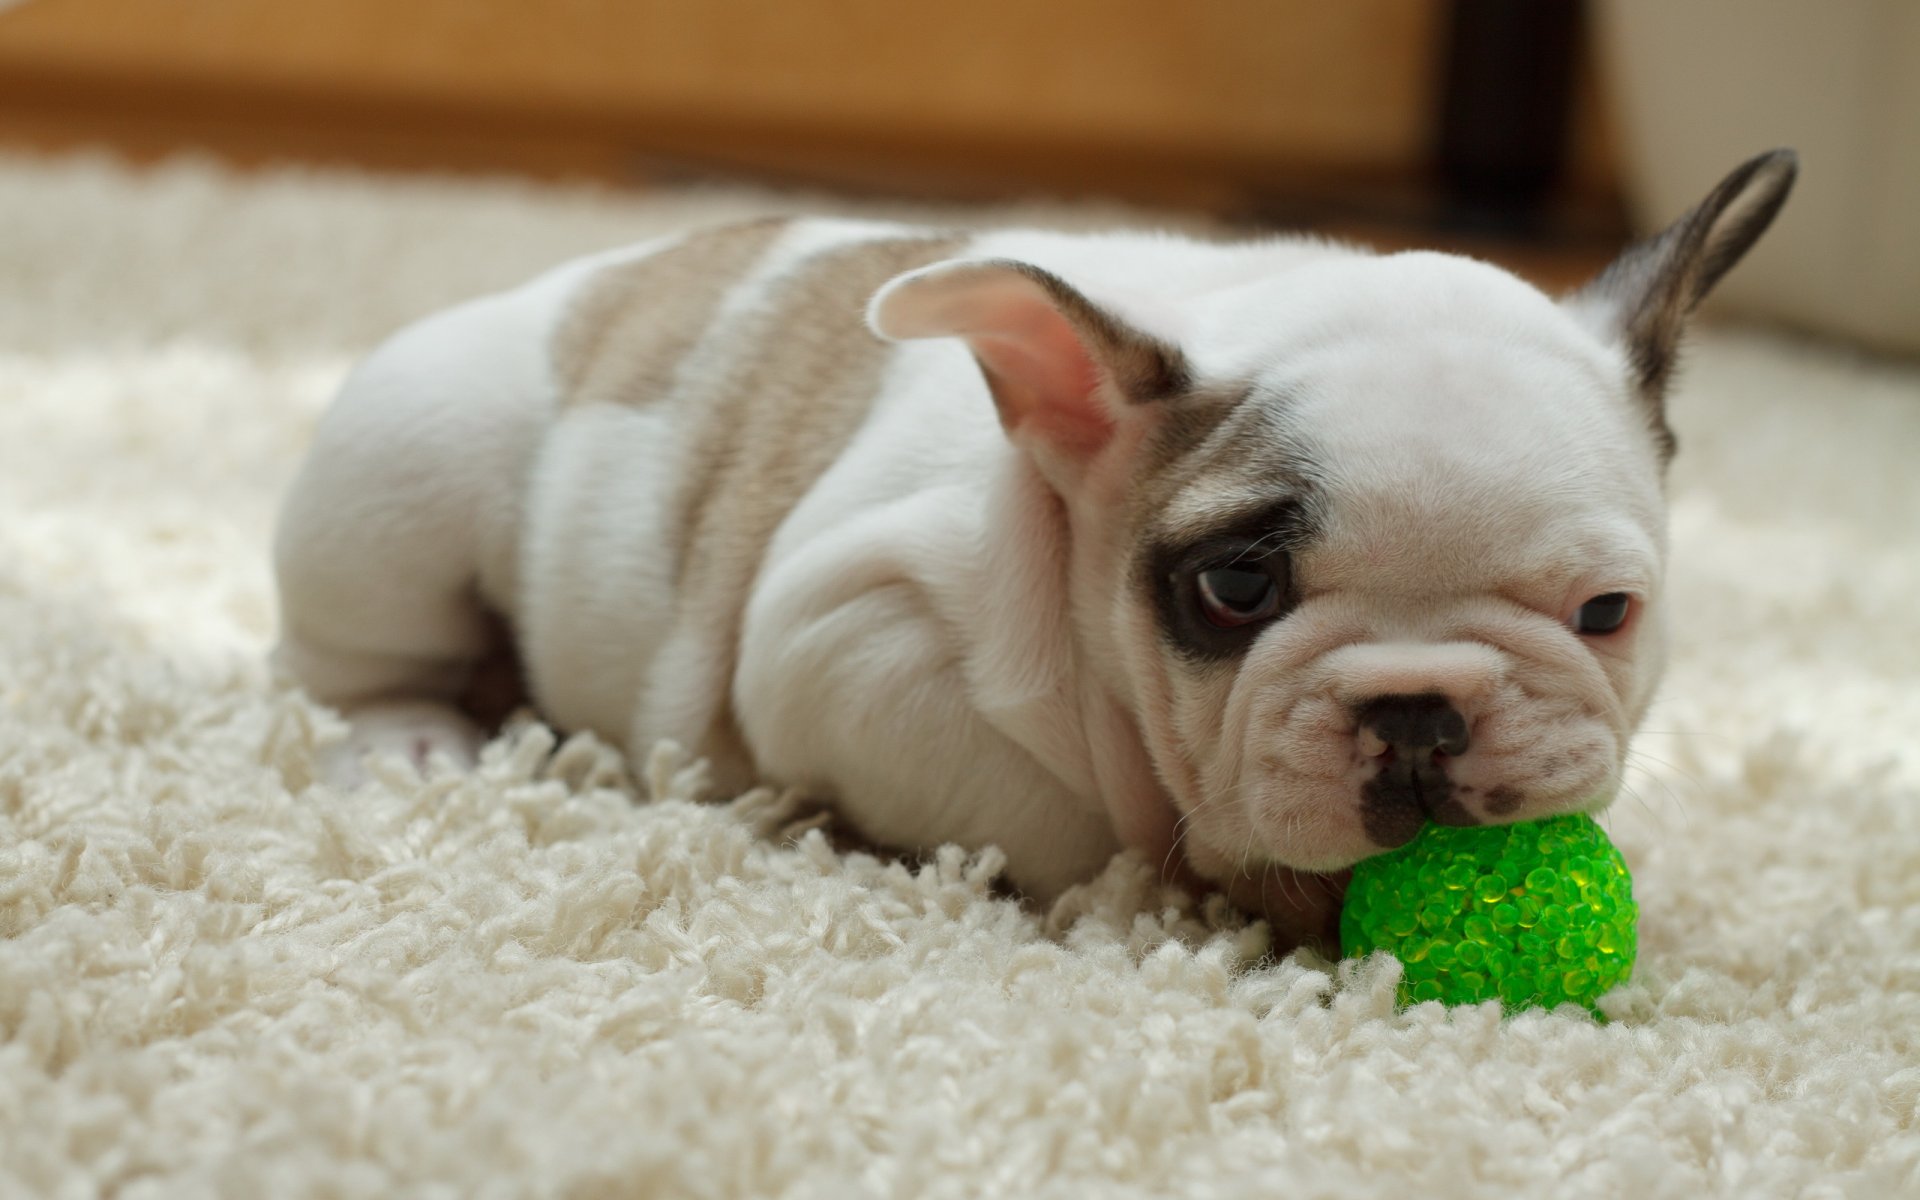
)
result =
(1260, 540)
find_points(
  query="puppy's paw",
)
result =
(413, 731)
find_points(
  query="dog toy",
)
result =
(1539, 913)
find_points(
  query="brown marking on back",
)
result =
(627, 331)
(803, 379)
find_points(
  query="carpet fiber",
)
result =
(220, 979)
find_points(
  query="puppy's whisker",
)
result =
(1666, 786)
(1246, 852)
(1668, 795)
(1669, 813)
(1285, 895)
(1240, 792)
(1636, 753)
(1623, 786)
(1632, 793)
(1181, 828)
(1289, 883)
(1185, 825)
(1257, 548)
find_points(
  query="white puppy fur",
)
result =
(1263, 552)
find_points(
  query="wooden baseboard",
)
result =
(1135, 97)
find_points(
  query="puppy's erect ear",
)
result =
(1642, 300)
(1064, 372)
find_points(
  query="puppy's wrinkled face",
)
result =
(1409, 569)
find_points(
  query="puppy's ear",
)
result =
(1642, 300)
(1065, 373)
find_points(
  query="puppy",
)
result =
(1253, 557)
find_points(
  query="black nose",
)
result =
(1415, 727)
(1411, 785)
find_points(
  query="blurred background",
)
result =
(1540, 133)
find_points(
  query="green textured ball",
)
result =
(1531, 914)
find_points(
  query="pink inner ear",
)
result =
(1046, 384)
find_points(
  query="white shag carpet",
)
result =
(219, 979)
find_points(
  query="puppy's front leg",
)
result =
(854, 682)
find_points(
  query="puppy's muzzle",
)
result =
(1412, 738)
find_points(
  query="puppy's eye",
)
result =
(1231, 597)
(1603, 614)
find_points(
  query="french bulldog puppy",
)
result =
(1253, 557)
